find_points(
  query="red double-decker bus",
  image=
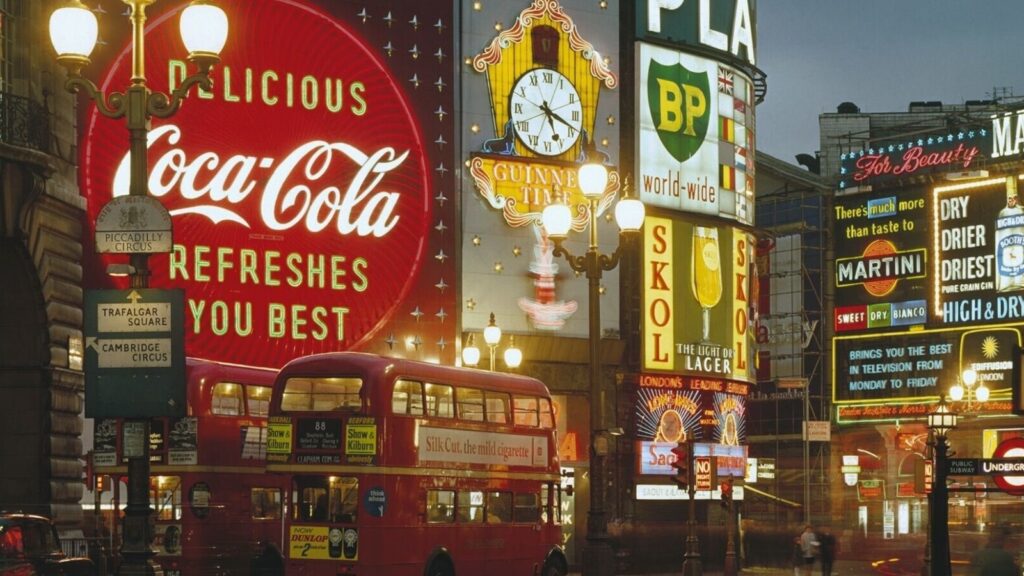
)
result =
(214, 503)
(405, 468)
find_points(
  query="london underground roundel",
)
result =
(1012, 448)
(298, 187)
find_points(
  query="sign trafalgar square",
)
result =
(134, 353)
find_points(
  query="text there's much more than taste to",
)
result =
(887, 208)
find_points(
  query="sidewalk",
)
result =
(841, 568)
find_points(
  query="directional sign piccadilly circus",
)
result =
(134, 353)
(133, 225)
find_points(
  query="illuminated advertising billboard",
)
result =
(882, 262)
(979, 252)
(695, 134)
(728, 26)
(960, 152)
(697, 299)
(303, 190)
(691, 409)
(656, 458)
(921, 365)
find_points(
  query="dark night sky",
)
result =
(880, 55)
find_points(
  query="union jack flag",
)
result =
(725, 80)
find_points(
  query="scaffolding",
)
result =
(793, 383)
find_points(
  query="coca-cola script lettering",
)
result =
(360, 208)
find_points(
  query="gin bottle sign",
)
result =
(1010, 242)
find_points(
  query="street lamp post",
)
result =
(629, 214)
(73, 32)
(470, 353)
(970, 388)
(940, 422)
(492, 335)
(513, 355)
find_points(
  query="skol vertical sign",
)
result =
(697, 302)
(659, 340)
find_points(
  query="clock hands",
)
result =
(552, 117)
(551, 114)
(547, 112)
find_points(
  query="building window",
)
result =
(8, 27)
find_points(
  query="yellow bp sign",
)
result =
(698, 305)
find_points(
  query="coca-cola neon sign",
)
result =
(299, 188)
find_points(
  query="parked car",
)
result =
(29, 546)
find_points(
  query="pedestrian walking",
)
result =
(808, 549)
(798, 557)
(827, 549)
(994, 559)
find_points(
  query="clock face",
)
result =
(546, 111)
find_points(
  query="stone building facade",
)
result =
(40, 290)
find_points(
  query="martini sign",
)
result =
(299, 187)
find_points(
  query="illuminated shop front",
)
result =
(927, 282)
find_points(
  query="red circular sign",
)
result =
(1012, 448)
(884, 286)
(299, 187)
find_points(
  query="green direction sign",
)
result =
(134, 353)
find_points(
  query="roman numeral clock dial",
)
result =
(546, 112)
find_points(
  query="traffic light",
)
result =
(726, 491)
(681, 464)
(87, 472)
(101, 483)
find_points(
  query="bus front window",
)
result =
(344, 499)
(266, 503)
(326, 499)
(165, 497)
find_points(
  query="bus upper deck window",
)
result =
(439, 401)
(322, 394)
(497, 407)
(258, 400)
(407, 398)
(525, 410)
(471, 404)
(547, 417)
(227, 399)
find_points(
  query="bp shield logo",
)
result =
(679, 100)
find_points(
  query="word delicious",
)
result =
(359, 208)
(914, 159)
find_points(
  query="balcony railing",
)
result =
(24, 122)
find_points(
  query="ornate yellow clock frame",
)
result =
(508, 174)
